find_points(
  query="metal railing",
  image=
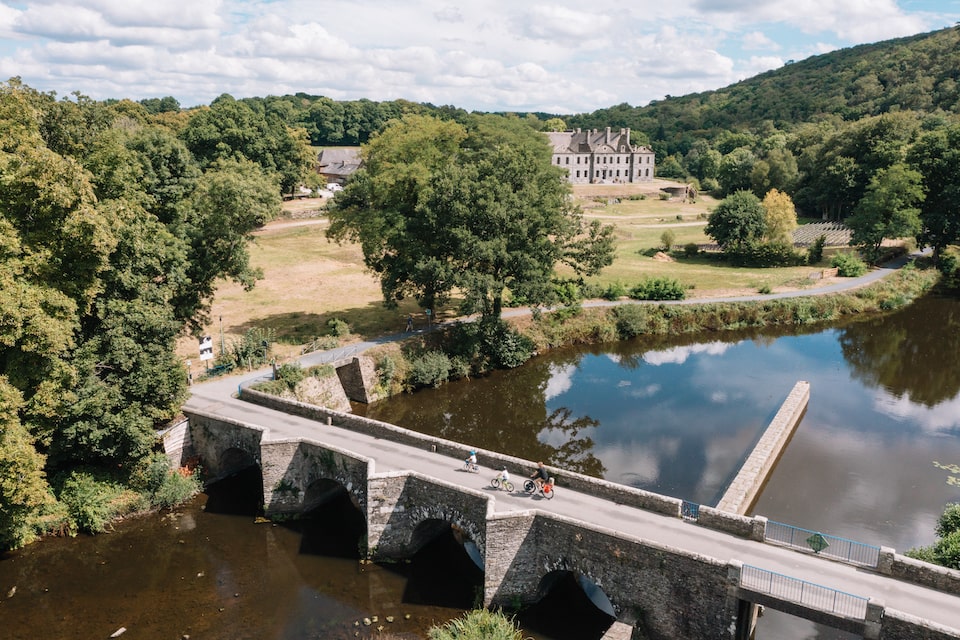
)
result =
(689, 510)
(849, 551)
(802, 592)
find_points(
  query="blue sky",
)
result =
(557, 56)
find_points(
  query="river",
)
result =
(676, 416)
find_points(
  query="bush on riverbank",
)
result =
(478, 624)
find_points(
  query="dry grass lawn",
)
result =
(309, 280)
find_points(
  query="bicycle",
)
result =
(545, 491)
(471, 467)
(499, 483)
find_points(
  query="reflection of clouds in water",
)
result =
(679, 355)
(630, 465)
(556, 437)
(561, 379)
(616, 358)
(722, 455)
(647, 391)
(943, 417)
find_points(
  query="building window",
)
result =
(648, 173)
(568, 159)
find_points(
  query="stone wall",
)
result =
(401, 504)
(900, 626)
(290, 467)
(665, 593)
(918, 572)
(224, 446)
(358, 376)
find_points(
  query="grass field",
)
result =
(309, 280)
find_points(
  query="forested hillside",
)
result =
(919, 73)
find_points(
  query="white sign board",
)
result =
(206, 348)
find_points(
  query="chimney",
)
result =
(607, 139)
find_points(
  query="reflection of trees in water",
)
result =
(575, 453)
(504, 413)
(910, 353)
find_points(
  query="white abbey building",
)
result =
(601, 157)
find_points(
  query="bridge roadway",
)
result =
(217, 397)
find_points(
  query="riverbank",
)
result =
(603, 321)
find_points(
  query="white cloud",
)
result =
(759, 40)
(556, 56)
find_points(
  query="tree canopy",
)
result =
(112, 237)
(475, 208)
(737, 220)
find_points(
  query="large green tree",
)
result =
(441, 207)
(887, 210)
(736, 220)
(936, 155)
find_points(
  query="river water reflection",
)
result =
(679, 416)
(676, 416)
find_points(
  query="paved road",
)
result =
(218, 397)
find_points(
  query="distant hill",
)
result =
(918, 73)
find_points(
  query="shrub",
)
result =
(764, 289)
(290, 374)
(658, 289)
(691, 249)
(614, 291)
(848, 265)
(815, 251)
(429, 369)
(567, 291)
(253, 348)
(338, 328)
(479, 624)
(667, 238)
(491, 343)
(163, 486)
(632, 320)
(88, 501)
(764, 255)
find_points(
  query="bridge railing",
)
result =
(849, 551)
(806, 593)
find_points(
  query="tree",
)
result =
(23, 485)
(230, 129)
(887, 210)
(231, 200)
(936, 155)
(736, 170)
(475, 208)
(555, 124)
(780, 216)
(737, 220)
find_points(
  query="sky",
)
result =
(556, 56)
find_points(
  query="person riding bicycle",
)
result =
(548, 485)
(540, 476)
(504, 476)
(472, 459)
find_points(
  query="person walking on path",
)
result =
(409, 322)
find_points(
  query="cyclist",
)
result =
(548, 486)
(540, 476)
(504, 476)
(471, 460)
